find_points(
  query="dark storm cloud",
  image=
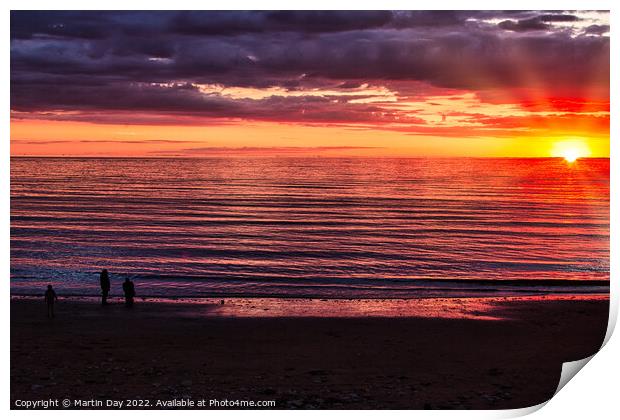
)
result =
(537, 23)
(97, 25)
(26, 24)
(186, 100)
(229, 23)
(597, 29)
(534, 24)
(152, 61)
(558, 18)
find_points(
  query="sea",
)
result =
(310, 226)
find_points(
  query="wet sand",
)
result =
(478, 353)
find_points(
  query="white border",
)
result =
(593, 394)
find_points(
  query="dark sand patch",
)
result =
(485, 353)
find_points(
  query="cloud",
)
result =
(558, 18)
(146, 141)
(597, 29)
(231, 151)
(534, 24)
(41, 142)
(183, 100)
(147, 67)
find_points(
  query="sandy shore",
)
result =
(413, 354)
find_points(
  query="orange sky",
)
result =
(46, 138)
(535, 133)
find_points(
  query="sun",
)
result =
(570, 150)
(571, 155)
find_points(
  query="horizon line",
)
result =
(222, 156)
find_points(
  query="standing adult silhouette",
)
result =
(50, 299)
(129, 290)
(104, 281)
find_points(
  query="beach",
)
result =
(452, 353)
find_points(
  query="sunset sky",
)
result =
(375, 83)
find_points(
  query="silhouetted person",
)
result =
(50, 298)
(104, 280)
(129, 290)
